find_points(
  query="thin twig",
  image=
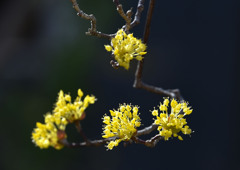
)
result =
(100, 142)
(173, 93)
(149, 143)
(146, 130)
(138, 140)
(138, 74)
(93, 30)
(153, 141)
(80, 131)
(85, 144)
(137, 17)
(126, 17)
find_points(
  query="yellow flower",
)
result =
(48, 134)
(170, 124)
(53, 131)
(125, 48)
(122, 125)
(72, 111)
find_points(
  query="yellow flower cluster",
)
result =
(48, 134)
(65, 112)
(125, 48)
(72, 111)
(171, 124)
(122, 125)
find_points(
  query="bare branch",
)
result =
(139, 141)
(149, 143)
(173, 93)
(86, 144)
(138, 13)
(148, 21)
(126, 17)
(93, 30)
(80, 131)
(154, 140)
(146, 130)
(138, 74)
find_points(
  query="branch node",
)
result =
(126, 17)
(173, 93)
(93, 30)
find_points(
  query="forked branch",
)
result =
(93, 30)
(138, 75)
(138, 83)
(147, 130)
(137, 17)
(126, 16)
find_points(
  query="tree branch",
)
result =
(85, 144)
(173, 93)
(80, 131)
(153, 141)
(126, 17)
(93, 30)
(149, 143)
(145, 131)
(138, 13)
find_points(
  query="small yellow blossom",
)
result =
(72, 111)
(122, 125)
(48, 134)
(126, 47)
(170, 124)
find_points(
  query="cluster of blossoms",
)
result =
(126, 47)
(72, 111)
(173, 123)
(53, 131)
(48, 134)
(122, 126)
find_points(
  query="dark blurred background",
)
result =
(193, 46)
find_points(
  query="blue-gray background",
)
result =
(193, 46)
